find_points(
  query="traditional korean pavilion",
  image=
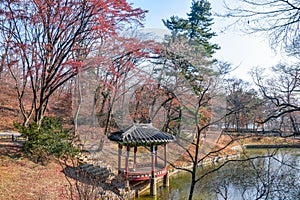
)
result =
(148, 137)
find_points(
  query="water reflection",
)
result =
(265, 177)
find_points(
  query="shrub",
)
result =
(47, 140)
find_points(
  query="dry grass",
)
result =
(22, 179)
(268, 140)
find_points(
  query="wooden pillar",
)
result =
(165, 155)
(152, 180)
(127, 162)
(156, 155)
(153, 186)
(134, 158)
(166, 176)
(119, 157)
(152, 160)
(166, 180)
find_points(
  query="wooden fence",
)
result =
(11, 137)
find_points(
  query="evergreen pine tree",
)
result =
(196, 28)
(176, 25)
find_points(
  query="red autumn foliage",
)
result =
(48, 41)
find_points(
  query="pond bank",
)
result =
(224, 158)
(144, 187)
(235, 178)
(266, 146)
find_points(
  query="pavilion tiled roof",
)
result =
(141, 135)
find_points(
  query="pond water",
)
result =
(273, 174)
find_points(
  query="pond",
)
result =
(267, 174)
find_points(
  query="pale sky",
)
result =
(237, 48)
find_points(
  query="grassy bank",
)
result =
(20, 178)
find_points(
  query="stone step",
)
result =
(86, 169)
(96, 172)
(85, 166)
(102, 172)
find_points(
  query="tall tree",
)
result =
(186, 70)
(49, 41)
(188, 53)
(114, 65)
(280, 20)
(193, 34)
(197, 26)
(282, 91)
(243, 104)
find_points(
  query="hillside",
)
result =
(20, 178)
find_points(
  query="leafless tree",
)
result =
(282, 92)
(116, 63)
(280, 19)
(203, 105)
(244, 104)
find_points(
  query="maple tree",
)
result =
(47, 43)
(114, 65)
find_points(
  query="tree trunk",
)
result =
(192, 188)
(25, 121)
(78, 104)
(40, 112)
(96, 97)
(108, 120)
(195, 163)
(294, 125)
(237, 128)
(97, 94)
